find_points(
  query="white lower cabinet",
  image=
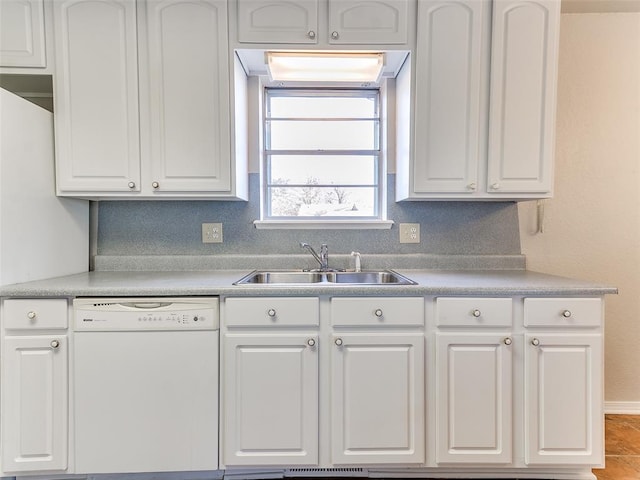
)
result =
(467, 386)
(564, 417)
(474, 398)
(377, 406)
(377, 380)
(270, 381)
(271, 400)
(357, 370)
(34, 382)
(563, 359)
(474, 368)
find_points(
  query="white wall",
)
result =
(592, 224)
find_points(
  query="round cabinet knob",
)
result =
(566, 313)
(508, 341)
(495, 186)
(311, 342)
(55, 343)
(335, 35)
(31, 315)
(132, 185)
(535, 342)
(476, 313)
(311, 34)
(378, 313)
(271, 312)
(155, 184)
(471, 186)
(338, 341)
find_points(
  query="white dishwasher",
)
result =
(145, 384)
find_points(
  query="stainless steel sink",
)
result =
(277, 277)
(298, 277)
(369, 278)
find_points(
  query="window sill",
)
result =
(323, 224)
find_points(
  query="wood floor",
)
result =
(622, 448)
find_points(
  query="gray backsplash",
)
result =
(174, 228)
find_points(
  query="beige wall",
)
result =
(592, 224)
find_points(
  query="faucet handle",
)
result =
(358, 266)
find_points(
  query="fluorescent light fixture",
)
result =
(325, 66)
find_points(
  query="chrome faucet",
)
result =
(322, 259)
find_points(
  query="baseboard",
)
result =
(622, 408)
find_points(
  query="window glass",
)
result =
(321, 154)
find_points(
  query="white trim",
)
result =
(622, 408)
(323, 224)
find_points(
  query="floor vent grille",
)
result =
(333, 472)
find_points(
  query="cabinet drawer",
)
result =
(377, 311)
(35, 313)
(467, 312)
(562, 312)
(272, 311)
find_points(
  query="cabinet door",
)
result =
(563, 399)
(96, 92)
(524, 59)
(447, 92)
(368, 23)
(377, 405)
(270, 387)
(189, 107)
(277, 21)
(22, 34)
(35, 402)
(474, 398)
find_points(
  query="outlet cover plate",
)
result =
(211, 233)
(409, 233)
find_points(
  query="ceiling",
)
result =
(600, 6)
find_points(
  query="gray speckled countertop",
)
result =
(220, 282)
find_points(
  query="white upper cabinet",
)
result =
(449, 73)
(524, 60)
(307, 22)
(476, 103)
(368, 23)
(188, 111)
(96, 97)
(144, 98)
(22, 33)
(262, 21)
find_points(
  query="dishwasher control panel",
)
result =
(110, 314)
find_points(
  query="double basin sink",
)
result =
(300, 277)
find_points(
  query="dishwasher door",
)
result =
(145, 400)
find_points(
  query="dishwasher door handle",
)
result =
(146, 305)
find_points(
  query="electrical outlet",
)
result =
(211, 233)
(409, 233)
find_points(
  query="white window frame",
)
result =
(378, 221)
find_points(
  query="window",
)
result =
(321, 155)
